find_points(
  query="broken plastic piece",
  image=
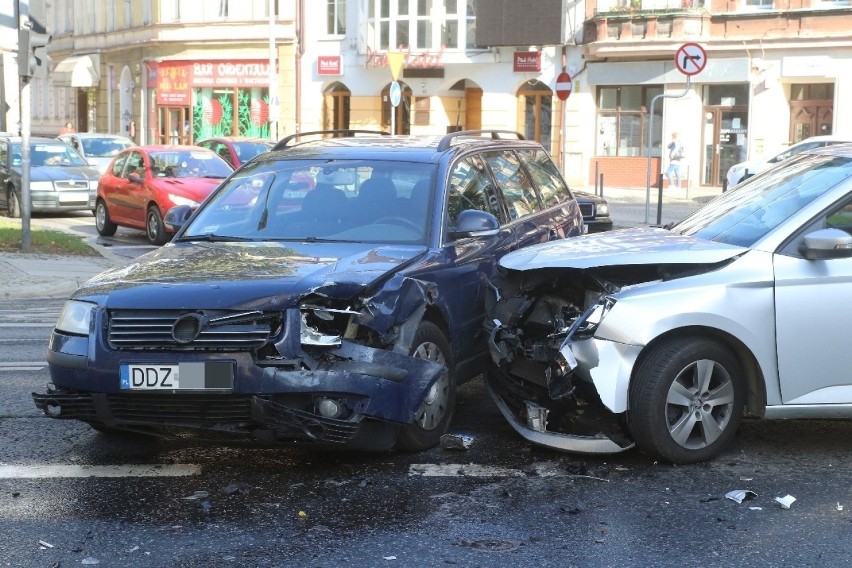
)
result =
(839, 506)
(785, 501)
(740, 495)
(48, 545)
(456, 441)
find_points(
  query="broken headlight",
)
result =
(588, 322)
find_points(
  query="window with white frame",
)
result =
(336, 18)
(420, 24)
(759, 4)
(223, 8)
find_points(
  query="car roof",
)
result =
(95, 135)
(377, 145)
(168, 148)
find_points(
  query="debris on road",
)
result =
(44, 544)
(785, 501)
(456, 441)
(740, 495)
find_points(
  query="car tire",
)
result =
(104, 226)
(432, 419)
(154, 226)
(674, 417)
(13, 207)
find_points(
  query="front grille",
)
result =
(183, 409)
(172, 330)
(587, 210)
(71, 184)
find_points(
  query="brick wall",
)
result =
(625, 171)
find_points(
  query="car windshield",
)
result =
(248, 150)
(306, 200)
(751, 210)
(188, 164)
(104, 147)
(42, 154)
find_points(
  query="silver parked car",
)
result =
(60, 179)
(98, 149)
(665, 338)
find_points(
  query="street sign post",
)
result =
(564, 86)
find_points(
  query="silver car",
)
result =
(60, 179)
(98, 149)
(665, 338)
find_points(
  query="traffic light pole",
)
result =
(26, 120)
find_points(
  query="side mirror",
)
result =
(475, 223)
(177, 216)
(135, 177)
(826, 243)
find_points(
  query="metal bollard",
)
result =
(601, 193)
(660, 202)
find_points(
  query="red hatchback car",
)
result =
(143, 182)
(237, 150)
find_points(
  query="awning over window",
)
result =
(77, 71)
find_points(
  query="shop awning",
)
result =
(77, 71)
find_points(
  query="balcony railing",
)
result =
(633, 6)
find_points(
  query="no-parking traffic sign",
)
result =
(690, 58)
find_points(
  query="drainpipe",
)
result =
(274, 101)
(299, 31)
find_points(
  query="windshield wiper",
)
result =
(214, 238)
(211, 176)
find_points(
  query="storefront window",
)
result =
(623, 120)
(230, 111)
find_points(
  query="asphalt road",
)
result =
(70, 496)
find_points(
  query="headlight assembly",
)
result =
(588, 322)
(75, 317)
(602, 209)
(180, 200)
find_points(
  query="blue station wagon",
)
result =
(330, 291)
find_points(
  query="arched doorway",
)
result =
(535, 112)
(403, 110)
(469, 106)
(335, 108)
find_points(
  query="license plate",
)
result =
(206, 376)
(73, 196)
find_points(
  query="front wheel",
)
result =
(103, 224)
(432, 419)
(154, 227)
(686, 400)
(13, 206)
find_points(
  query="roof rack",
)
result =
(284, 142)
(447, 140)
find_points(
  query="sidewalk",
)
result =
(53, 276)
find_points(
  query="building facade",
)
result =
(166, 71)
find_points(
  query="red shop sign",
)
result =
(329, 65)
(526, 61)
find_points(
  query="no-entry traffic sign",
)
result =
(690, 58)
(563, 85)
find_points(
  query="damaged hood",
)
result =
(247, 275)
(638, 246)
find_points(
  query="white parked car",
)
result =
(744, 170)
(98, 149)
(665, 338)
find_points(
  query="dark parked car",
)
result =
(144, 182)
(595, 210)
(330, 291)
(237, 150)
(60, 179)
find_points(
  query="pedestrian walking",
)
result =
(676, 155)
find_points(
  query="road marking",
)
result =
(22, 365)
(63, 471)
(541, 469)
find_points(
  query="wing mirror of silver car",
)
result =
(826, 243)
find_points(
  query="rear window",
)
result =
(545, 175)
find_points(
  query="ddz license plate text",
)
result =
(217, 376)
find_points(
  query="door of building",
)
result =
(175, 125)
(725, 140)
(811, 110)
